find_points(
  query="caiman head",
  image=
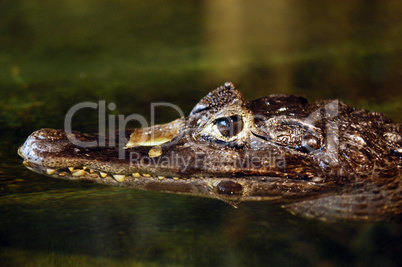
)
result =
(322, 159)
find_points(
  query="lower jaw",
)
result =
(83, 173)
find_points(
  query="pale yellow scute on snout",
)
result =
(155, 135)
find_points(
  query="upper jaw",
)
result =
(50, 152)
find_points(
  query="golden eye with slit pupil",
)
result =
(229, 126)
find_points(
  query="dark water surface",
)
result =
(55, 54)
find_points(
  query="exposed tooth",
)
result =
(161, 177)
(103, 174)
(91, 171)
(26, 163)
(146, 175)
(119, 177)
(62, 174)
(175, 178)
(84, 168)
(79, 173)
(71, 169)
(50, 171)
(136, 174)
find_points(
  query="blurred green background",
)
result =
(55, 54)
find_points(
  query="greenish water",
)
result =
(55, 54)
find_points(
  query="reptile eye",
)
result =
(229, 126)
(309, 143)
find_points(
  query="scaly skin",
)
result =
(324, 159)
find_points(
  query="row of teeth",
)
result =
(77, 172)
